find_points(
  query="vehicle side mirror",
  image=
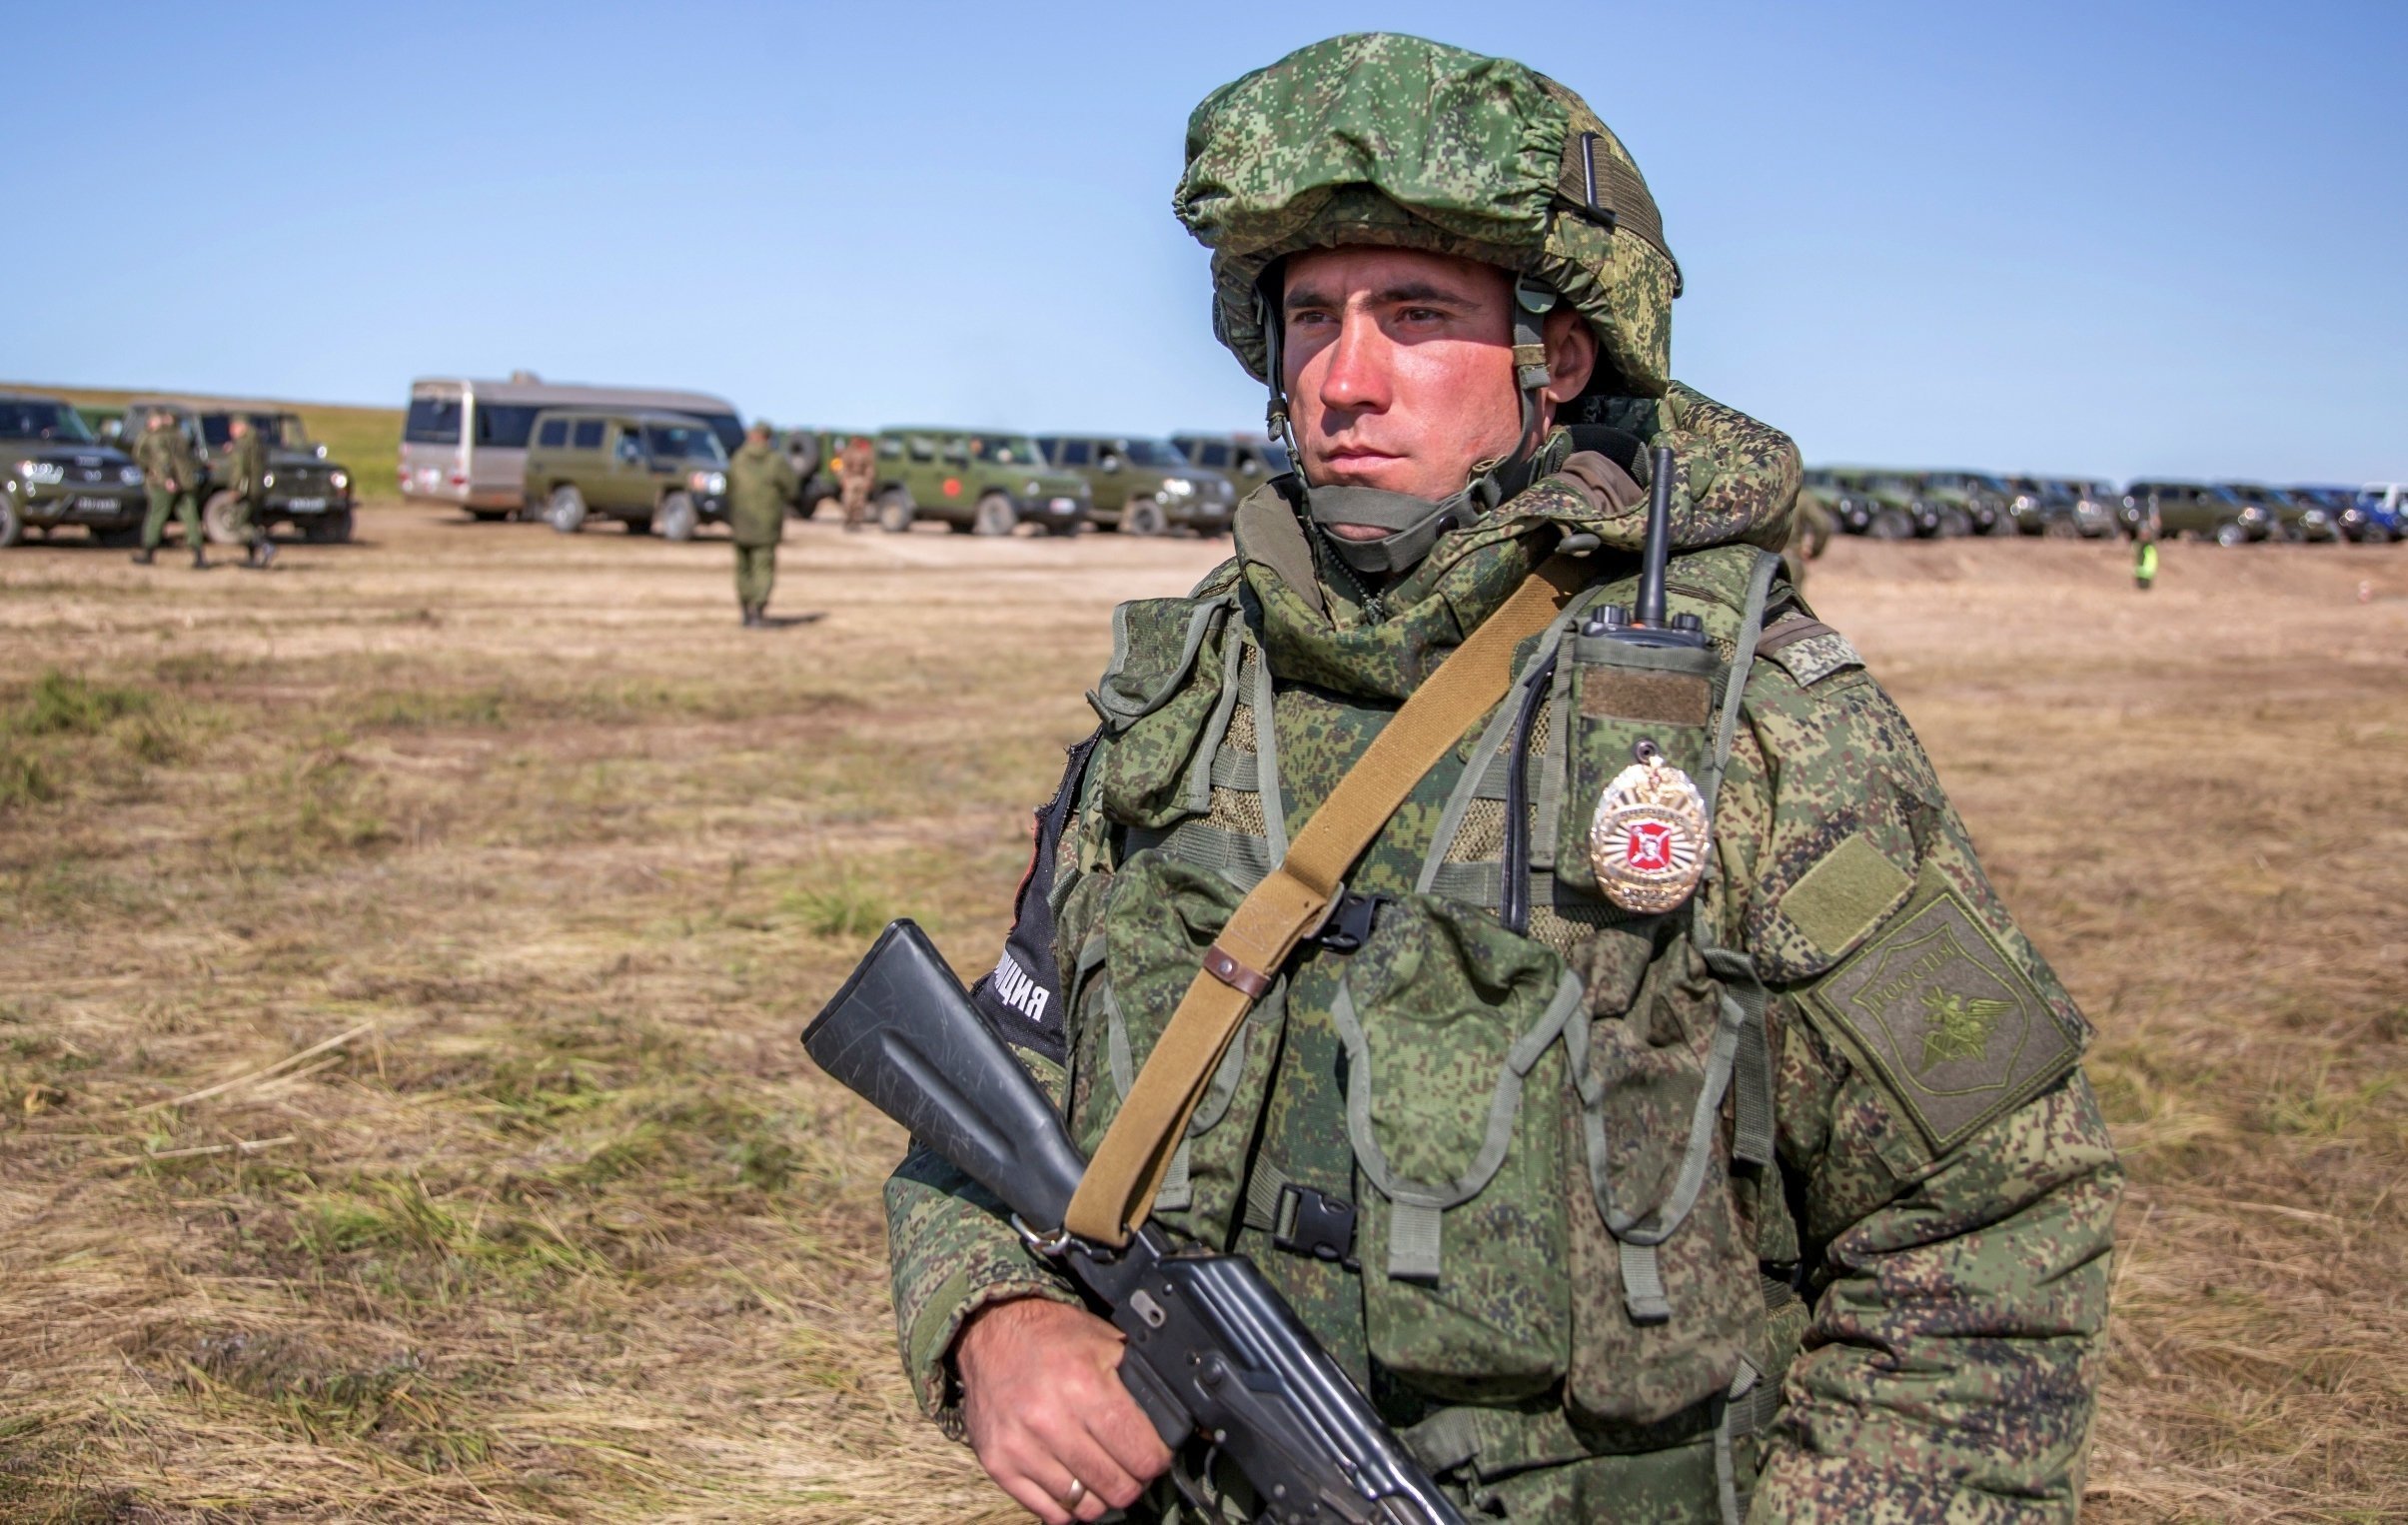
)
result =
(1108, 464)
(320, 451)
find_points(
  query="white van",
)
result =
(465, 442)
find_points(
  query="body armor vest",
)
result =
(1519, 1181)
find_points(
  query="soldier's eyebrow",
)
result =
(1403, 294)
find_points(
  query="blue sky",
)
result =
(2114, 239)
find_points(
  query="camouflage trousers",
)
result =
(185, 505)
(856, 504)
(243, 523)
(755, 575)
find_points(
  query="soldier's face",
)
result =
(1399, 368)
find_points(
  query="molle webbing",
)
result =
(1126, 1173)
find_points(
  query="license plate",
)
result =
(306, 505)
(94, 505)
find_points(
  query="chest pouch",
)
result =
(1457, 1108)
(1158, 919)
(1615, 698)
(1669, 1300)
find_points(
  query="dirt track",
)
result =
(566, 1228)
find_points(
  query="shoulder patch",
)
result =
(1954, 1026)
(1807, 649)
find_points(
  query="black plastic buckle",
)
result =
(1322, 1226)
(1350, 922)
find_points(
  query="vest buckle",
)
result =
(1318, 1225)
(1349, 923)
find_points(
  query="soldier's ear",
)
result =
(1570, 354)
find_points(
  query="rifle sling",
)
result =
(1118, 1191)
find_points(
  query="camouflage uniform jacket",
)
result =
(759, 485)
(247, 468)
(166, 456)
(1910, 1265)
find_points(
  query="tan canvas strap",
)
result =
(1119, 1190)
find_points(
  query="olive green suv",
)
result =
(304, 489)
(2202, 510)
(1968, 502)
(974, 482)
(53, 472)
(1881, 504)
(651, 471)
(1248, 460)
(1145, 486)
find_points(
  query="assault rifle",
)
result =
(1217, 1361)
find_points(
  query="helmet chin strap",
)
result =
(1413, 525)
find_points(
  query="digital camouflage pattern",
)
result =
(1952, 1242)
(1886, 1300)
(1381, 139)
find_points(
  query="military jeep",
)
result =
(974, 482)
(1968, 502)
(1144, 486)
(651, 471)
(2198, 509)
(304, 489)
(1881, 504)
(54, 473)
(1248, 460)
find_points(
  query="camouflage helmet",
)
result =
(1381, 139)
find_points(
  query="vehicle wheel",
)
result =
(676, 518)
(994, 516)
(12, 523)
(1143, 516)
(2230, 534)
(115, 540)
(1953, 523)
(896, 510)
(217, 518)
(1891, 524)
(2062, 528)
(564, 511)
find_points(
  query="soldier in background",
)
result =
(171, 475)
(2144, 548)
(247, 470)
(856, 471)
(1812, 526)
(759, 485)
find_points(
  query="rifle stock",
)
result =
(901, 1033)
(1215, 1358)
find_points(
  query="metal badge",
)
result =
(1647, 840)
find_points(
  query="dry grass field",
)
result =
(402, 955)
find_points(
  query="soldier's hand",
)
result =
(1044, 1405)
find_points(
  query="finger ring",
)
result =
(1078, 1490)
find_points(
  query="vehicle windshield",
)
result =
(1990, 483)
(432, 420)
(1156, 453)
(1888, 485)
(281, 429)
(56, 421)
(682, 441)
(1007, 450)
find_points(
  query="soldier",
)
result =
(1630, 1179)
(2144, 547)
(856, 473)
(759, 485)
(1812, 526)
(247, 474)
(171, 474)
